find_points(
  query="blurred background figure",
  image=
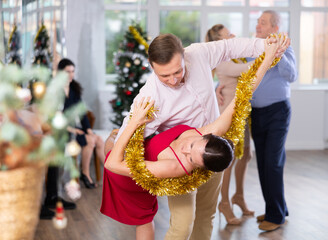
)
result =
(227, 74)
(84, 134)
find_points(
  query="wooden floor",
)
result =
(306, 190)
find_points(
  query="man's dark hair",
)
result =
(163, 48)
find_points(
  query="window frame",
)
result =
(294, 9)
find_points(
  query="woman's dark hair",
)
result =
(163, 48)
(74, 84)
(218, 154)
(64, 63)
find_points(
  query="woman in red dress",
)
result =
(172, 153)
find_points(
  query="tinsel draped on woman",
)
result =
(172, 153)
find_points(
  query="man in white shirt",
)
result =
(182, 86)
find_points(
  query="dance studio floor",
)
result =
(306, 184)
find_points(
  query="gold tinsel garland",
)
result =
(138, 37)
(243, 60)
(244, 93)
(11, 36)
(134, 152)
(39, 31)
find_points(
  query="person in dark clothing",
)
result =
(83, 132)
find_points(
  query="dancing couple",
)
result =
(191, 130)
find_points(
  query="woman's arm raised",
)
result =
(115, 162)
(221, 125)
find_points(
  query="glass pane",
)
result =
(225, 2)
(11, 3)
(180, 2)
(315, 3)
(31, 5)
(117, 23)
(5, 3)
(232, 21)
(125, 1)
(47, 3)
(253, 16)
(184, 24)
(8, 23)
(30, 26)
(57, 42)
(313, 48)
(269, 3)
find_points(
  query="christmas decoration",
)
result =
(14, 48)
(59, 121)
(19, 144)
(131, 66)
(59, 220)
(42, 55)
(72, 148)
(134, 152)
(23, 94)
(39, 89)
(236, 133)
(73, 190)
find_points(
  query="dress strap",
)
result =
(198, 131)
(179, 161)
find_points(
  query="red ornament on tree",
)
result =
(128, 93)
(143, 68)
(130, 45)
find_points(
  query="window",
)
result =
(313, 67)
(226, 3)
(117, 22)
(269, 3)
(231, 20)
(186, 25)
(306, 21)
(28, 15)
(180, 2)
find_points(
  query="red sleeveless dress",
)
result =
(122, 199)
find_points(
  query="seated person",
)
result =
(84, 136)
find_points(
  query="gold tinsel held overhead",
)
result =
(138, 37)
(244, 93)
(134, 152)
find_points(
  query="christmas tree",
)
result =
(13, 56)
(131, 66)
(42, 54)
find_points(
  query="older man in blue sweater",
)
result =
(271, 114)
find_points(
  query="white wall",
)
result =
(85, 43)
(308, 128)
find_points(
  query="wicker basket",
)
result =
(20, 198)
